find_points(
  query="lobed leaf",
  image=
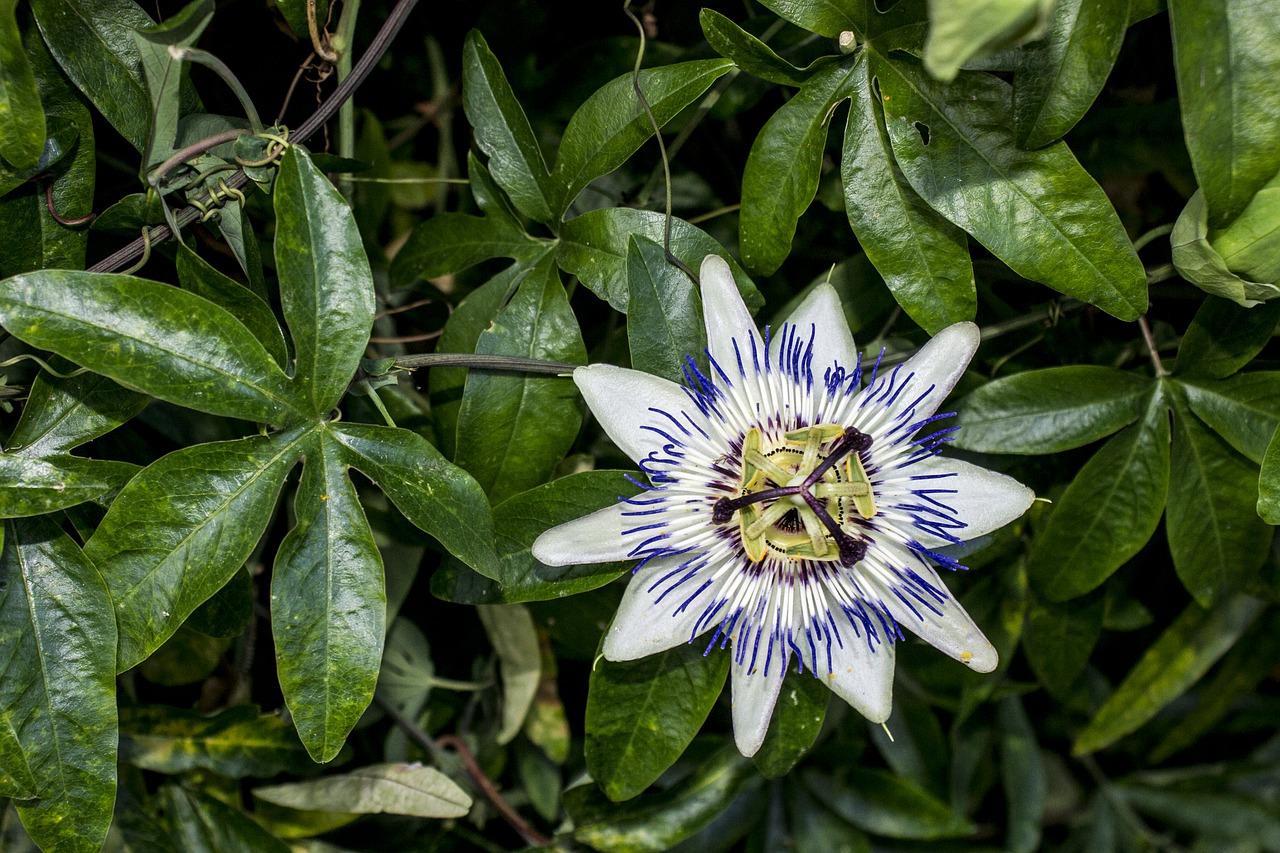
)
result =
(62, 414)
(503, 132)
(150, 337)
(1226, 68)
(593, 247)
(1108, 512)
(1224, 337)
(36, 486)
(434, 495)
(780, 178)
(58, 690)
(1060, 76)
(1050, 410)
(656, 822)
(664, 312)
(1038, 211)
(182, 527)
(642, 714)
(611, 125)
(1217, 540)
(22, 120)
(197, 276)
(326, 286)
(165, 74)
(1244, 409)
(328, 603)
(514, 429)
(93, 43)
(924, 258)
(747, 52)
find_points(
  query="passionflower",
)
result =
(790, 509)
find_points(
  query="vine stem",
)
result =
(437, 747)
(390, 27)
(1151, 347)
(485, 362)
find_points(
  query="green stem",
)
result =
(342, 42)
(217, 66)
(377, 402)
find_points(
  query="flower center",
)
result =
(794, 498)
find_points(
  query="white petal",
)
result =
(727, 317)
(950, 630)
(860, 676)
(940, 363)
(832, 343)
(754, 695)
(594, 538)
(621, 399)
(644, 625)
(983, 500)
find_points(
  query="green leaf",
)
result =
(1269, 483)
(452, 242)
(1023, 775)
(203, 824)
(30, 486)
(328, 604)
(514, 429)
(1220, 818)
(326, 287)
(404, 789)
(611, 125)
(151, 337)
(515, 641)
(748, 52)
(881, 803)
(797, 721)
(62, 414)
(58, 689)
(503, 132)
(165, 75)
(1218, 541)
(1224, 337)
(780, 178)
(594, 248)
(461, 333)
(1250, 661)
(1038, 211)
(1244, 409)
(437, 497)
(62, 139)
(181, 528)
(823, 17)
(237, 230)
(1108, 512)
(93, 42)
(1061, 76)
(813, 826)
(522, 518)
(1177, 660)
(1224, 54)
(22, 127)
(656, 822)
(664, 312)
(642, 714)
(1250, 245)
(1196, 259)
(960, 30)
(237, 742)
(240, 302)
(924, 258)
(1060, 638)
(1051, 410)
